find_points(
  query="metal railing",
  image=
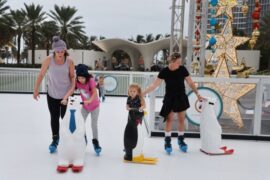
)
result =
(254, 107)
(23, 80)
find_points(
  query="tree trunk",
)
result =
(268, 62)
(33, 46)
(48, 48)
(18, 50)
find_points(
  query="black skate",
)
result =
(168, 146)
(182, 145)
(97, 148)
(54, 144)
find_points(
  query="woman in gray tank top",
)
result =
(61, 82)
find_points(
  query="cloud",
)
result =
(115, 18)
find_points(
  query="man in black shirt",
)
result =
(175, 99)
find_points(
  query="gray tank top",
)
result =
(58, 79)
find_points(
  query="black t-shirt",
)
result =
(174, 80)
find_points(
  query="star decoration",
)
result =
(227, 43)
(230, 92)
(222, 69)
(225, 7)
(225, 51)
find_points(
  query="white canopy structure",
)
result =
(136, 50)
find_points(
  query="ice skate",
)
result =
(54, 144)
(97, 148)
(182, 145)
(168, 146)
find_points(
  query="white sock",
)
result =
(181, 133)
(168, 134)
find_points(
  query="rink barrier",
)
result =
(224, 136)
(22, 80)
(255, 107)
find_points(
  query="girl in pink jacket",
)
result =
(86, 84)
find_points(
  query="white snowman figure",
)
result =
(72, 143)
(210, 129)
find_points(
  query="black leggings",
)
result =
(56, 110)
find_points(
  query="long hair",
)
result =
(65, 55)
(137, 87)
(86, 78)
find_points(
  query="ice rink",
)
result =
(25, 135)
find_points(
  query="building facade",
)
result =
(240, 22)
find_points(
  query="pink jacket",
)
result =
(86, 93)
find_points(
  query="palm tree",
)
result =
(71, 27)
(263, 42)
(149, 38)
(92, 45)
(167, 35)
(16, 21)
(85, 43)
(5, 35)
(35, 17)
(102, 37)
(131, 39)
(264, 38)
(158, 36)
(48, 29)
(140, 39)
(3, 8)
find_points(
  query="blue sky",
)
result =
(115, 18)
